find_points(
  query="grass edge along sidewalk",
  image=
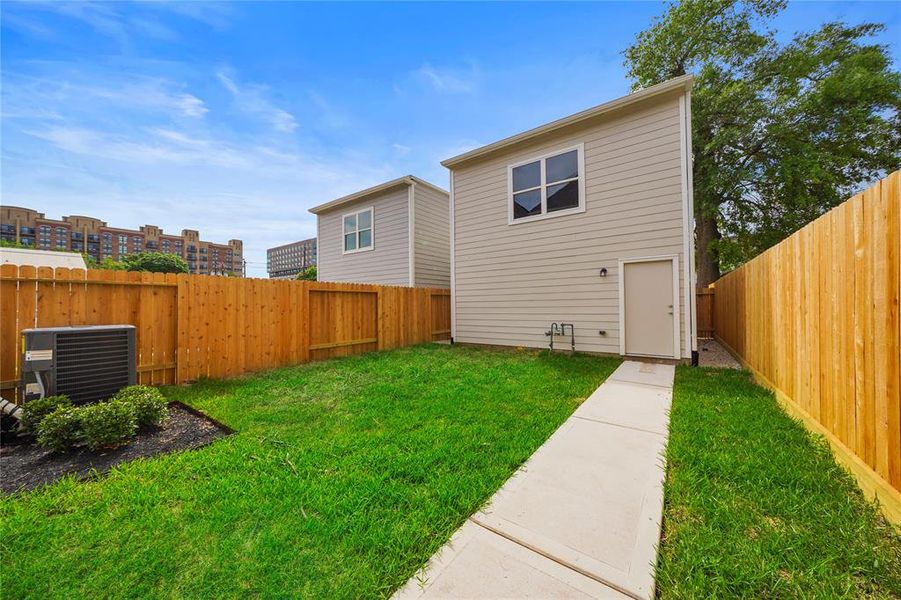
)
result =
(756, 506)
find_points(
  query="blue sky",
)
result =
(236, 118)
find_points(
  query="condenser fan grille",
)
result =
(92, 365)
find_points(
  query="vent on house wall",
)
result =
(87, 364)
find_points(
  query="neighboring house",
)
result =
(586, 220)
(396, 233)
(41, 258)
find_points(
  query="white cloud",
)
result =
(446, 80)
(153, 28)
(329, 116)
(27, 25)
(166, 147)
(151, 93)
(116, 21)
(227, 82)
(28, 96)
(101, 16)
(252, 100)
(191, 106)
(216, 15)
(161, 145)
(401, 149)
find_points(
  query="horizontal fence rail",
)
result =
(816, 318)
(192, 326)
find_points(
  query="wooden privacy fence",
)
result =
(706, 313)
(191, 326)
(816, 318)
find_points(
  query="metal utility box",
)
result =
(87, 364)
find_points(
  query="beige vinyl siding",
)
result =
(388, 262)
(512, 281)
(431, 230)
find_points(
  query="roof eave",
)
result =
(405, 180)
(360, 195)
(684, 82)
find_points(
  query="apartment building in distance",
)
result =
(289, 260)
(100, 241)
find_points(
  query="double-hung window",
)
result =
(357, 236)
(548, 185)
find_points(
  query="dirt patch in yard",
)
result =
(25, 466)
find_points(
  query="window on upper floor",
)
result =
(357, 232)
(546, 186)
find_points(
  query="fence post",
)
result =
(380, 317)
(181, 320)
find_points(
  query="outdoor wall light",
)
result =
(604, 272)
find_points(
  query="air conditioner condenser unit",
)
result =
(87, 364)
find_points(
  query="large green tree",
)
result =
(781, 132)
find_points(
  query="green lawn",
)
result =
(756, 507)
(347, 475)
(344, 478)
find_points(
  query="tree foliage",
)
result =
(782, 132)
(308, 274)
(155, 262)
(107, 264)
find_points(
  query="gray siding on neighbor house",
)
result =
(512, 281)
(389, 260)
(431, 227)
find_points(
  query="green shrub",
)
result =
(60, 429)
(149, 405)
(107, 424)
(34, 411)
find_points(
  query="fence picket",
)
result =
(817, 319)
(191, 326)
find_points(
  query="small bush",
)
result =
(34, 411)
(59, 430)
(107, 424)
(149, 405)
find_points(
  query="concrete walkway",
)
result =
(581, 519)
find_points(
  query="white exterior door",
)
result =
(650, 308)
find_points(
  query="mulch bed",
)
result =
(25, 466)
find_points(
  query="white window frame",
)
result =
(580, 164)
(356, 213)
